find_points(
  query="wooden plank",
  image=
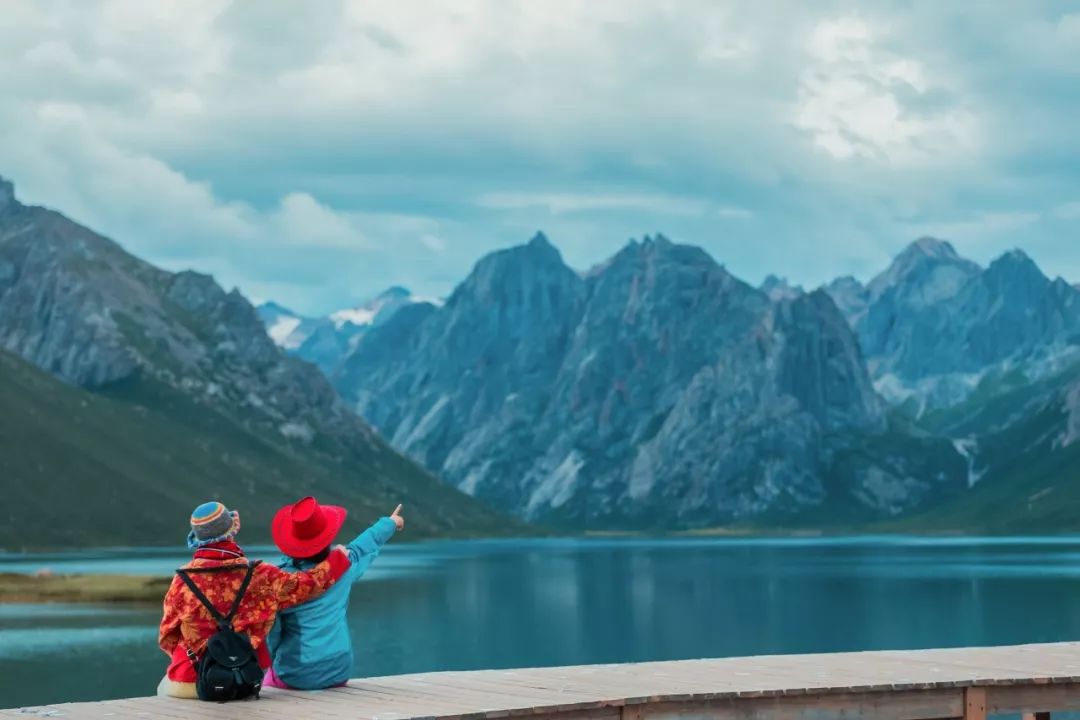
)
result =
(1034, 698)
(975, 703)
(494, 690)
(963, 682)
(905, 705)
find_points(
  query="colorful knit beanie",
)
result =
(210, 523)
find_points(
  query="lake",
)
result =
(495, 604)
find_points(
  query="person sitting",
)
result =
(220, 571)
(310, 643)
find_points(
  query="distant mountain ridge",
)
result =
(327, 341)
(171, 345)
(933, 324)
(657, 390)
(531, 405)
(77, 305)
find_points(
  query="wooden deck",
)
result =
(902, 685)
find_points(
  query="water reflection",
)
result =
(507, 604)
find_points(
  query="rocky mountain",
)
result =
(988, 357)
(326, 341)
(1021, 438)
(656, 391)
(286, 328)
(934, 324)
(778, 288)
(175, 345)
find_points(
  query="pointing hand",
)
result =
(396, 517)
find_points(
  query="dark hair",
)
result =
(316, 558)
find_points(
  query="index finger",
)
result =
(397, 509)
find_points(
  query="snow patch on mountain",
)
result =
(327, 341)
(968, 448)
(360, 317)
(282, 332)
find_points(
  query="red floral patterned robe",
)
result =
(187, 624)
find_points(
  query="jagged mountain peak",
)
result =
(648, 243)
(927, 250)
(933, 322)
(778, 288)
(846, 283)
(932, 247)
(540, 241)
(522, 261)
(925, 271)
(537, 251)
(1015, 259)
(1015, 275)
(658, 248)
(525, 276)
(395, 291)
(272, 307)
(7, 193)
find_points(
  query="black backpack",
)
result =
(228, 669)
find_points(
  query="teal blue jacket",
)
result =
(310, 643)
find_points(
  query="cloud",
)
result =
(559, 203)
(433, 243)
(302, 220)
(855, 100)
(1052, 42)
(1068, 211)
(311, 155)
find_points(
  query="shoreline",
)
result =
(81, 588)
(718, 532)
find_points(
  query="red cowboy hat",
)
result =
(306, 528)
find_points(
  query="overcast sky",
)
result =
(314, 153)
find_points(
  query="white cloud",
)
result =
(433, 243)
(303, 220)
(560, 203)
(1053, 43)
(842, 40)
(851, 100)
(1068, 211)
(279, 149)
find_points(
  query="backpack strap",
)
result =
(240, 593)
(203, 600)
(223, 621)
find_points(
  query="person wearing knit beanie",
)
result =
(212, 523)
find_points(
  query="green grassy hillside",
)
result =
(1030, 482)
(127, 465)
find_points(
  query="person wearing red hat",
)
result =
(310, 643)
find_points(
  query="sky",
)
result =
(316, 153)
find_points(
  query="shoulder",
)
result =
(177, 585)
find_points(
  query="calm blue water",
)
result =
(469, 605)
